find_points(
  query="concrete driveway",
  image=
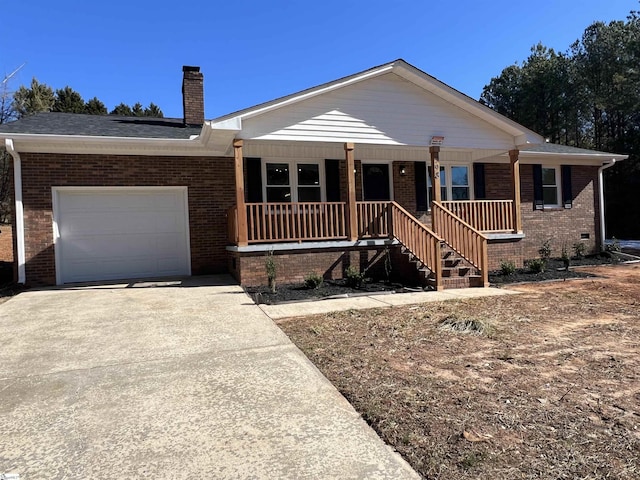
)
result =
(170, 380)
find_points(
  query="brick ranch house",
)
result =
(389, 164)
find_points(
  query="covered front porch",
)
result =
(422, 225)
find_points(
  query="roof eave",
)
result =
(595, 157)
(43, 143)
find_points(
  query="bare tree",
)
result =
(7, 114)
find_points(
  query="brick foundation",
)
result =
(294, 265)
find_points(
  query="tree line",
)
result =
(39, 97)
(586, 97)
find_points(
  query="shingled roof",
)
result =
(53, 123)
(561, 149)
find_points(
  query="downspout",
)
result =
(601, 194)
(19, 212)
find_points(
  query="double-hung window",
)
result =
(309, 182)
(551, 186)
(289, 181)
(278, 182)
(454, 183)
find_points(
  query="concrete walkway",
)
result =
(377, 301)
(175, 380)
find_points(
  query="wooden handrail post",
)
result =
(515, 190)
(243, 231)
(352, 215)
(434, 152)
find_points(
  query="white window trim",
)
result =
(293, 176)
(447, 166)
(558, 187)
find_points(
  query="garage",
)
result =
(113, 233)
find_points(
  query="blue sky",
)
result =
(254, 51)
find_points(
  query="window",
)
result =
(278, 182)
(460, 183)
(458, 188)
(550, 194)
(309, 182)
(282, 186)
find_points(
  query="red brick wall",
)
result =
(506, 250)
(6, 243)
(294, 265)
(210, 183)
(498, 181)
(561, 226)
(404, 186)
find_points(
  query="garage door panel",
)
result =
(121, 223)
(106, 235)
(130, 245)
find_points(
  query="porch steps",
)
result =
(456, 271)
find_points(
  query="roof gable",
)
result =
(354, 98)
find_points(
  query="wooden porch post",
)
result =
(241, 208)
(515, 190)
(352, 215)
(435, 179)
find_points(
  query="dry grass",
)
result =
(553, 391)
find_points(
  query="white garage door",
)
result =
(120, 233)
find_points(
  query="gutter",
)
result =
(19, 211)
(601, 199)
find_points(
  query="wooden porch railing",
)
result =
(467, 241)
(373, 219)
(418, 239)
(295, 222)
(484, 215)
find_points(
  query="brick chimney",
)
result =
(193, 96)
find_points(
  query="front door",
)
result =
(375, 181)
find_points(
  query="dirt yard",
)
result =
(551, 391)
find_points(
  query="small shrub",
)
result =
(537, 265)
(354, 277)
(566, 260)
(507, 267)
(272, 270)
(313, 281)
(545, 250)
(579, 249)
(614, 246)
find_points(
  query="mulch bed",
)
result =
(298, 292)
(555, 269)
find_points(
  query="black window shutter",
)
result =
(253, 182)
(538, 198)
(478, 181)
(420, 169)
(332, 175)
(429, 189)
(567, 197)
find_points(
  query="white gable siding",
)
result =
(386, 110)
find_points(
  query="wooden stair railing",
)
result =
(423, 244)
(461, 237)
